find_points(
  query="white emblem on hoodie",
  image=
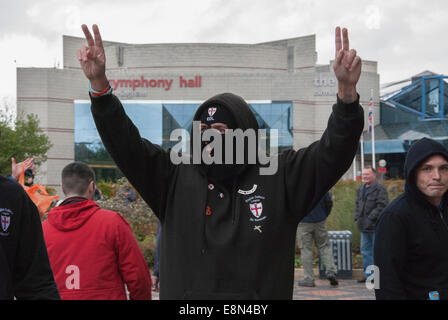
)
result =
(5, 221)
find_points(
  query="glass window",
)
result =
(276, 115)
(426, 100)
(432, 87)
(412, 97)
(155, 122)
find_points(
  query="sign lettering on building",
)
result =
(162, 83)
(325, 85)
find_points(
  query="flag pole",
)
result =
(362, 150)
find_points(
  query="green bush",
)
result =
(106, 188)
(344, 202)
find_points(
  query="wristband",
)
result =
(106, 91)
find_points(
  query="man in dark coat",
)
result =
(25, 271)
(228, 232)
(372, 198)
(411, 241)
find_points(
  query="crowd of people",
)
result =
(225, 230)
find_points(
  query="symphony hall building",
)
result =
(161, 86)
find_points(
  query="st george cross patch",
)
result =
(5, 221)
(211, 111)
(256, 209)
(255, 203)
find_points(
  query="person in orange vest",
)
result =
(22, 172)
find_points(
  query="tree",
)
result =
(20, 139)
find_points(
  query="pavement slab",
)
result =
(347, 289)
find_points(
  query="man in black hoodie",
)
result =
(228, 232)
(25, 271)
(411, 240)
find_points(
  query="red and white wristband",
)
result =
(106, 91)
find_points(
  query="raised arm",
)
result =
(147, 166)
(312, 171)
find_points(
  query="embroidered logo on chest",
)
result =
(256, 207)
(5, 221)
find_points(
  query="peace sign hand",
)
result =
(347, 67)
(93, 59)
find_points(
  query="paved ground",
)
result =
(346, 290)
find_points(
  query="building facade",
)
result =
(161, 86)
(410, 109)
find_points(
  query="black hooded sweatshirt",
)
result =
(411, 238)
(237, 240)
(25, 271)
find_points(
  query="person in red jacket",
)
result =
(93, 252)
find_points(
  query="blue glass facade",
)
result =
(426, 97)
(156, 121)
(417, 110)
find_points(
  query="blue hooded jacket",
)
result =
(321, 211)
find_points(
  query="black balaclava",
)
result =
(219, 114)
(236, 114)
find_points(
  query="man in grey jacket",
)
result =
(372, 198)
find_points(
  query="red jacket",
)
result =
(93, 254)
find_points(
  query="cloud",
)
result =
(405, 37)
(373, 17)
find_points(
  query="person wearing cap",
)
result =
(411, 237)
(228, 231)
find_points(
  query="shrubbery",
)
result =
(138, 214)
(344, 199)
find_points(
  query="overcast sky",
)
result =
(404, 36)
